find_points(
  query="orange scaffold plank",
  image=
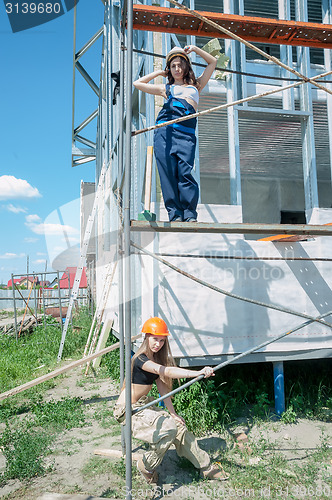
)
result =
(253, 29)
(290, 237)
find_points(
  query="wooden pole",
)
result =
(148, 178)
(26, 307)
(60, 371)
(111, 453)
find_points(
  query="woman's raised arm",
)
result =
(211, 61)
(151, 88)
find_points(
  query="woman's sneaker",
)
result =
(214, 471)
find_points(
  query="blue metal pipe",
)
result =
(279, 388)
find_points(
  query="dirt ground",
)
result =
(77, 470)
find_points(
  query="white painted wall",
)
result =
(204, 322)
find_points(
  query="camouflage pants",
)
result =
(156, 427)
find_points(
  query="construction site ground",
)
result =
(287, 452)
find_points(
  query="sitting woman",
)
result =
(154, 362)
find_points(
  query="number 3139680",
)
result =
(33, 8)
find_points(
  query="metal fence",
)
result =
(51, 298)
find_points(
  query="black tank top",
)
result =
(140, 376)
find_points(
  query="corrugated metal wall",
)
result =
(268, 146)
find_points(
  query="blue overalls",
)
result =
(174, 147)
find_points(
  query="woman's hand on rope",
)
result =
(179, 419)
(207, 371)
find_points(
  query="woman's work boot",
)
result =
(214, 471)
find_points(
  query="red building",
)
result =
(71, 272)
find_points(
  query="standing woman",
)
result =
(154, 362)
(174, 145)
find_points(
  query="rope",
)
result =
(225, 292)
(249, 45)
(237, 257)
(225, 363)
(227, 105)
(228, 70)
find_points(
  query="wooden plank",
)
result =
(104, 334)
(60, 371)
(282, 237)
(111, 453)
(231, 228)
(290, 237)
(61, 496)
(148, 177)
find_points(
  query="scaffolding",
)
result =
(124, 57)
(41, 299)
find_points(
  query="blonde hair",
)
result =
(162, 357)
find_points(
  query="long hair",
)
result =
(188, 74)
(162, 357)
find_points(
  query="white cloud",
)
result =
(30, 240)
(9, 255)
(16, 210)
(34, 223)
(33, 218)
(39, 261)
(13, 188)
(41, 254)
(73, 240)
(51, 229)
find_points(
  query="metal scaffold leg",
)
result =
(279, 389)
(126, 253)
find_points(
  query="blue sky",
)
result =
(37, 182)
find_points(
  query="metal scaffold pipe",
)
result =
(120, 219)
(229, 104)
(225, 363)
(126, 253)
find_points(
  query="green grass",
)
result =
(59, 415)
(10, 314)
(19, 360)
(267, 473)
(32, 424)
(97, 466)
(239, 391)
(247, 391)
(25, 443)
(104, 415)
(111, 361)
(24, 450)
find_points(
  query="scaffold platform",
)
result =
(253, 29)
(237, 228)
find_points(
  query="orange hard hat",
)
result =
(155, 326)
